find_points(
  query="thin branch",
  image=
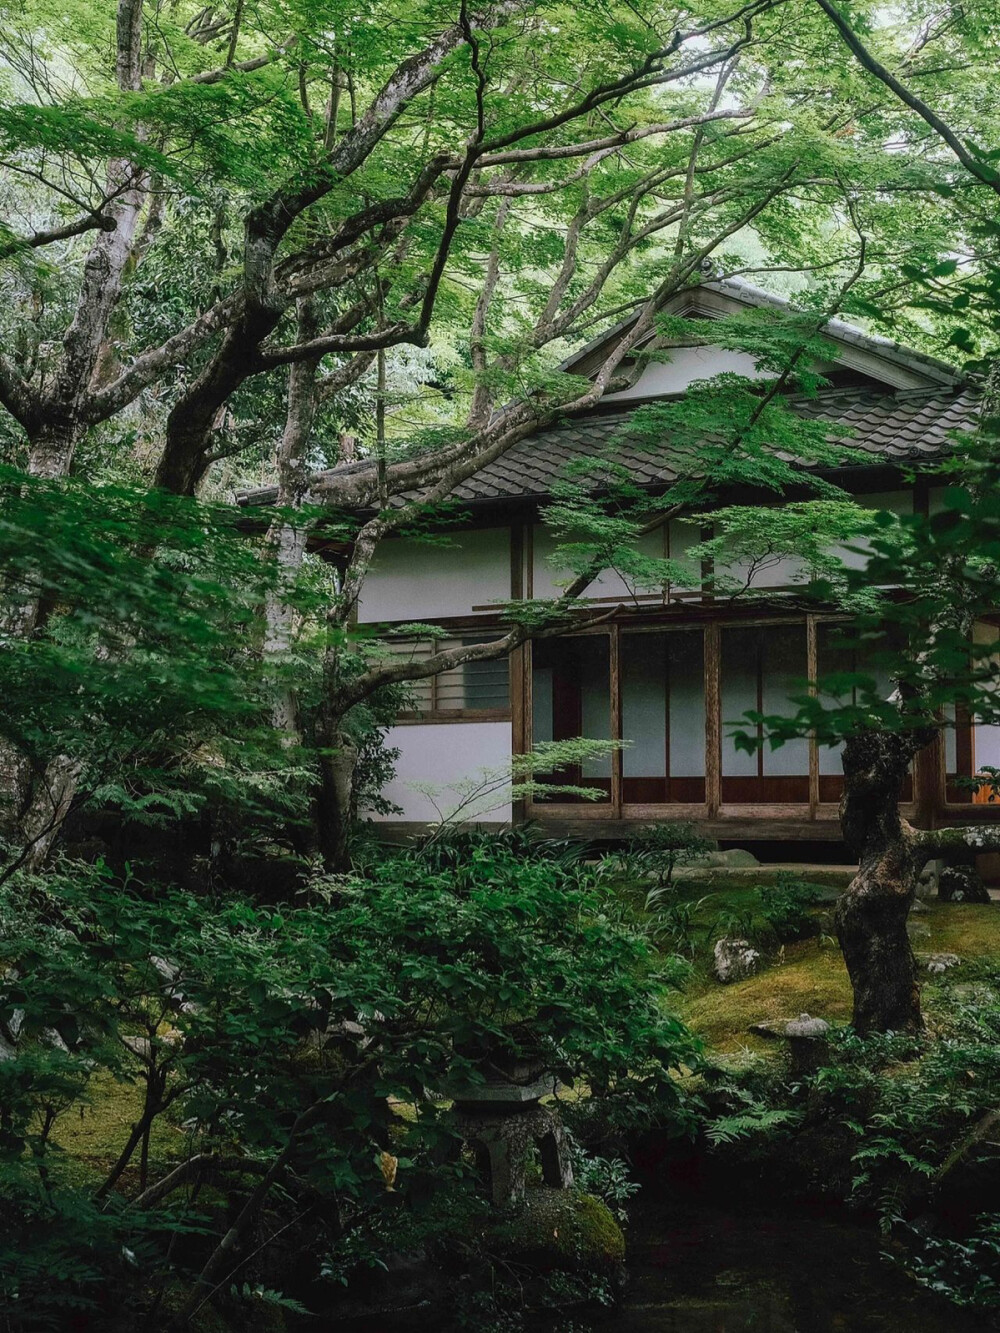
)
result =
(980, 170)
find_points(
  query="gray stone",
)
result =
(962, 884)
(7, 1051)
(168, 971)
(927, 881)
(498, 1093)
(769, 1031)
(733, 859)
(501, 1142)
(939, 962)
(734, 960)
(808, 1043)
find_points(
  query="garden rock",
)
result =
(808, 1043)
(927, 882)
(769, 1031)
(734, 960)
(962, 884)
(733, 859)
(939, 962)
(562, 1229)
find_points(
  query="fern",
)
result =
(266, 1296)
(757, 1120)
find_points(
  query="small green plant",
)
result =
(605, 1177)
(967, 1271)
(788, 905)
(658, 851)
(772, 914)
(675, 925)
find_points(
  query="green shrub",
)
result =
(771, 914)
(293, 1047)
(658, 851)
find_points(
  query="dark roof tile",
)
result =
(895, 427)
(891, 427)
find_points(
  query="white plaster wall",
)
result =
(776, 572)
(412, 580)
(683, 536)
(789, 571)
(442, 754)
(895, 502)
(548, 580)
(685, 365)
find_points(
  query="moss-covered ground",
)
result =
(807, 976)
(92, 1134)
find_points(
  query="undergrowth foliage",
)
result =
(276, 1054)
(902, 1128)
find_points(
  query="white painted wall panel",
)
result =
(442, 754)
(686, 364)
(548, 579)
(771, 572)
(411, 580)
(895, 502)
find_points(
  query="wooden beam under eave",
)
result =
(616, 719)
(713, 720)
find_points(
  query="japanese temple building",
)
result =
(670, 669)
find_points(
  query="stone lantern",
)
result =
(502, 1118)
(808, 1044)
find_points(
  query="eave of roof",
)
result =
(752, 297)
(909, 426)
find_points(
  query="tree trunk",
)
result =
(334, 804)
(871, 915)
(60, 423)
(287, 536)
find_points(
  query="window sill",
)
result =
(453, 715)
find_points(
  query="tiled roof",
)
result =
(894, 428)
(902, 427)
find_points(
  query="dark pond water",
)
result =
(746, 1271)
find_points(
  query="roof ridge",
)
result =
(748, 293)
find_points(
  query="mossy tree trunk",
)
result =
(335, 803)
(871, 915)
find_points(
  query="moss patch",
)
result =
(96, 1131)
(562, 1229)
(810, 977)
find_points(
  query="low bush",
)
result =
(279, 1062)
(900, 1126)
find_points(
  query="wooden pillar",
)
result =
(516, 561)
(929, 784)
(713, 720)
(812, 671)
(519, 731)
(616, 720)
